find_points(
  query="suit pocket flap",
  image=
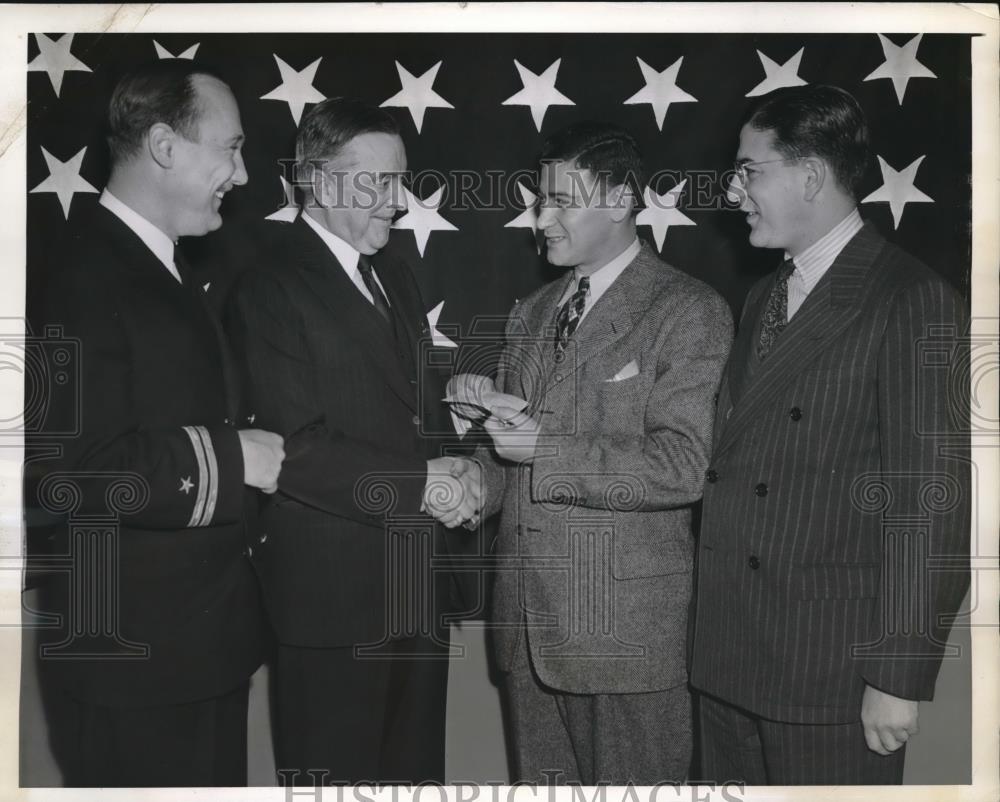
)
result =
(657, 557)
(839, 581)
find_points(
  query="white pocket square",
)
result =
(627, 372)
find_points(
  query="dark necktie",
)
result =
(775, 316)
(570, 314)
(368, 277)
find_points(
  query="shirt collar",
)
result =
(159, 243)
(345, 253)
(605, 276)
(814, 261)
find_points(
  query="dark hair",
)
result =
(608, 151)
(159, 92)
(332, 123)
(818, 120)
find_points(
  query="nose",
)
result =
(546, 216)
(397, 200)
(240, 176)
(736, 191)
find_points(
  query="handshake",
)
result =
(453, 493)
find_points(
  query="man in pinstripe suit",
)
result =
(819, 624)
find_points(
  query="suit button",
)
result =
(263, 538)
(795, 413)
(761, 490)
(711, 475)
(559, 377)
(753, 562)
(416, 420)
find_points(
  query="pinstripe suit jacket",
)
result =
(834, 538)
(595, 538)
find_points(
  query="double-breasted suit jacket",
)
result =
(167, 611)
(595, 543)
(834, 537)
(356, 402)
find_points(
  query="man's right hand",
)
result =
(263, 453)
(452, 493)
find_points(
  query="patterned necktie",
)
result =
(368, 277)
(775, 316)
(569, 315)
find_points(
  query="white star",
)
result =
(438, 339)
(288, 212)
(660, 90)
(417, 94)
(422, 217)
(205, 286)
(296, 88)
(900, 65)
(539, 92)
(529, 217)
(186, 485)
(64, 179)
(778, 75)
(897, 189)
(661, 212)
(55, 59)
(162, 52)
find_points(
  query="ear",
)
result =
(816, 172)
(326, 190)
(621, 201)
(161, 141)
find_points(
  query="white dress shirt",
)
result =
(347, 255)
(602, 278)
(814, 261)
(159, 243)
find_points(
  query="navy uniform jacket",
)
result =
(155, 406)
(835, 531)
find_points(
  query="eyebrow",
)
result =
(239, 139)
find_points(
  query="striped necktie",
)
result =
(570, 314)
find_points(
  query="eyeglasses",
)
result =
(740, 168)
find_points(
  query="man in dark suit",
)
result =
(834, 538)
(330, 339)
(619, 362)
(161, 613)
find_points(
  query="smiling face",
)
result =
(580, 218)
(773, 195)
(206, 168)
(360, 190)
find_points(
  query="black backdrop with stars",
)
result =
(479, 269)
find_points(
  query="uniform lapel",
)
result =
(831, 307)
(353, 313)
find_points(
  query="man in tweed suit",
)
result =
(619, 362)
(820, 623)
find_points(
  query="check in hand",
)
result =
(263, 453)
(453, 491)
(514, 433)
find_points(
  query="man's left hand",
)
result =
(515, 434)
(888, 720)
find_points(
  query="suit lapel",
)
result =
(831, 307)
(615, 312)
(353, 313)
